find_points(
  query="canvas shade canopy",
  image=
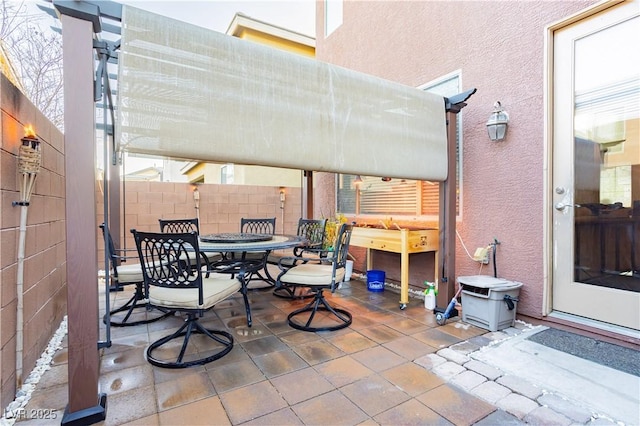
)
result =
(189, 93)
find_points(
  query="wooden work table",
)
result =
(404, 241)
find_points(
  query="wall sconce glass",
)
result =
(29, 160)
(283, 196)
(196, 201)
(498, 123)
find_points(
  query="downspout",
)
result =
(29, 160)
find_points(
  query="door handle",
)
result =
(561, 206)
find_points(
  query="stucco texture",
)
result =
(498, 48)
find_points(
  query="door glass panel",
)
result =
(607, 157)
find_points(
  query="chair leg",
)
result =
(244, 291)
(191, 326)
(257, 276)
(129, 306)
(320, 304)
(269, 278)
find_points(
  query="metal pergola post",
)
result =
(447, 224)
(80, 21)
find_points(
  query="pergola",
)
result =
(189, 93)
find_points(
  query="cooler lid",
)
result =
(484, 281)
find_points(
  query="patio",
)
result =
(367, 373)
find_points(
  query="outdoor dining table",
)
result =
(240, 242)
(234, 247)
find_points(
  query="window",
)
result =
(401, 197)
(226, 174)
(332, 16)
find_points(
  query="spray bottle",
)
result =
(430, 296)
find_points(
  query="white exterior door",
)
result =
(596, 168)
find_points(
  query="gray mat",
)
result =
(623, 359)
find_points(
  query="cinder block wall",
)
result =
(45, 286)
(221, 207)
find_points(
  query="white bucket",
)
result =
(348, 270)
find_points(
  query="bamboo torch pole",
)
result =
(29, 160)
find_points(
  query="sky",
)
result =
(295, 15)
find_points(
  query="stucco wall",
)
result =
(45, 288)
(499, 48)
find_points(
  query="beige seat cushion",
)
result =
(215, 289)
(274, 257)
(310, 274)
(212, 257)
(129, 273)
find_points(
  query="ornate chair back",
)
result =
(314, 231)
(318, 275)
(258, 226)
(174, 281)
(177, 226)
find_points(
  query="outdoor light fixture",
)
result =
(498, 123)
(196, 201)
(29, 160)
(196, 196)
(282, 197)
(357, 181)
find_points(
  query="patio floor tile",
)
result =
(343, 371)
(332, 408)
(374, 394)
(253, 401)
(456, 405)
(301, 385)
(183, 390)
(364, 374)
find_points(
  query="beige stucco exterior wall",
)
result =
(45, 289)
(499, 49)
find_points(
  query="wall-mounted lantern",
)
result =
(498, 123)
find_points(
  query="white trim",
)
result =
(547, 223)
(457, 73)
(241, 22)
(547, 212)
(333, 16)
(611, 328)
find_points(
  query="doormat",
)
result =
(619, 357)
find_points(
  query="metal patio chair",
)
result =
(259, 226)
(126, 270)
(174, 226)
(313, 231)
(173, 282)
(319, 274)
